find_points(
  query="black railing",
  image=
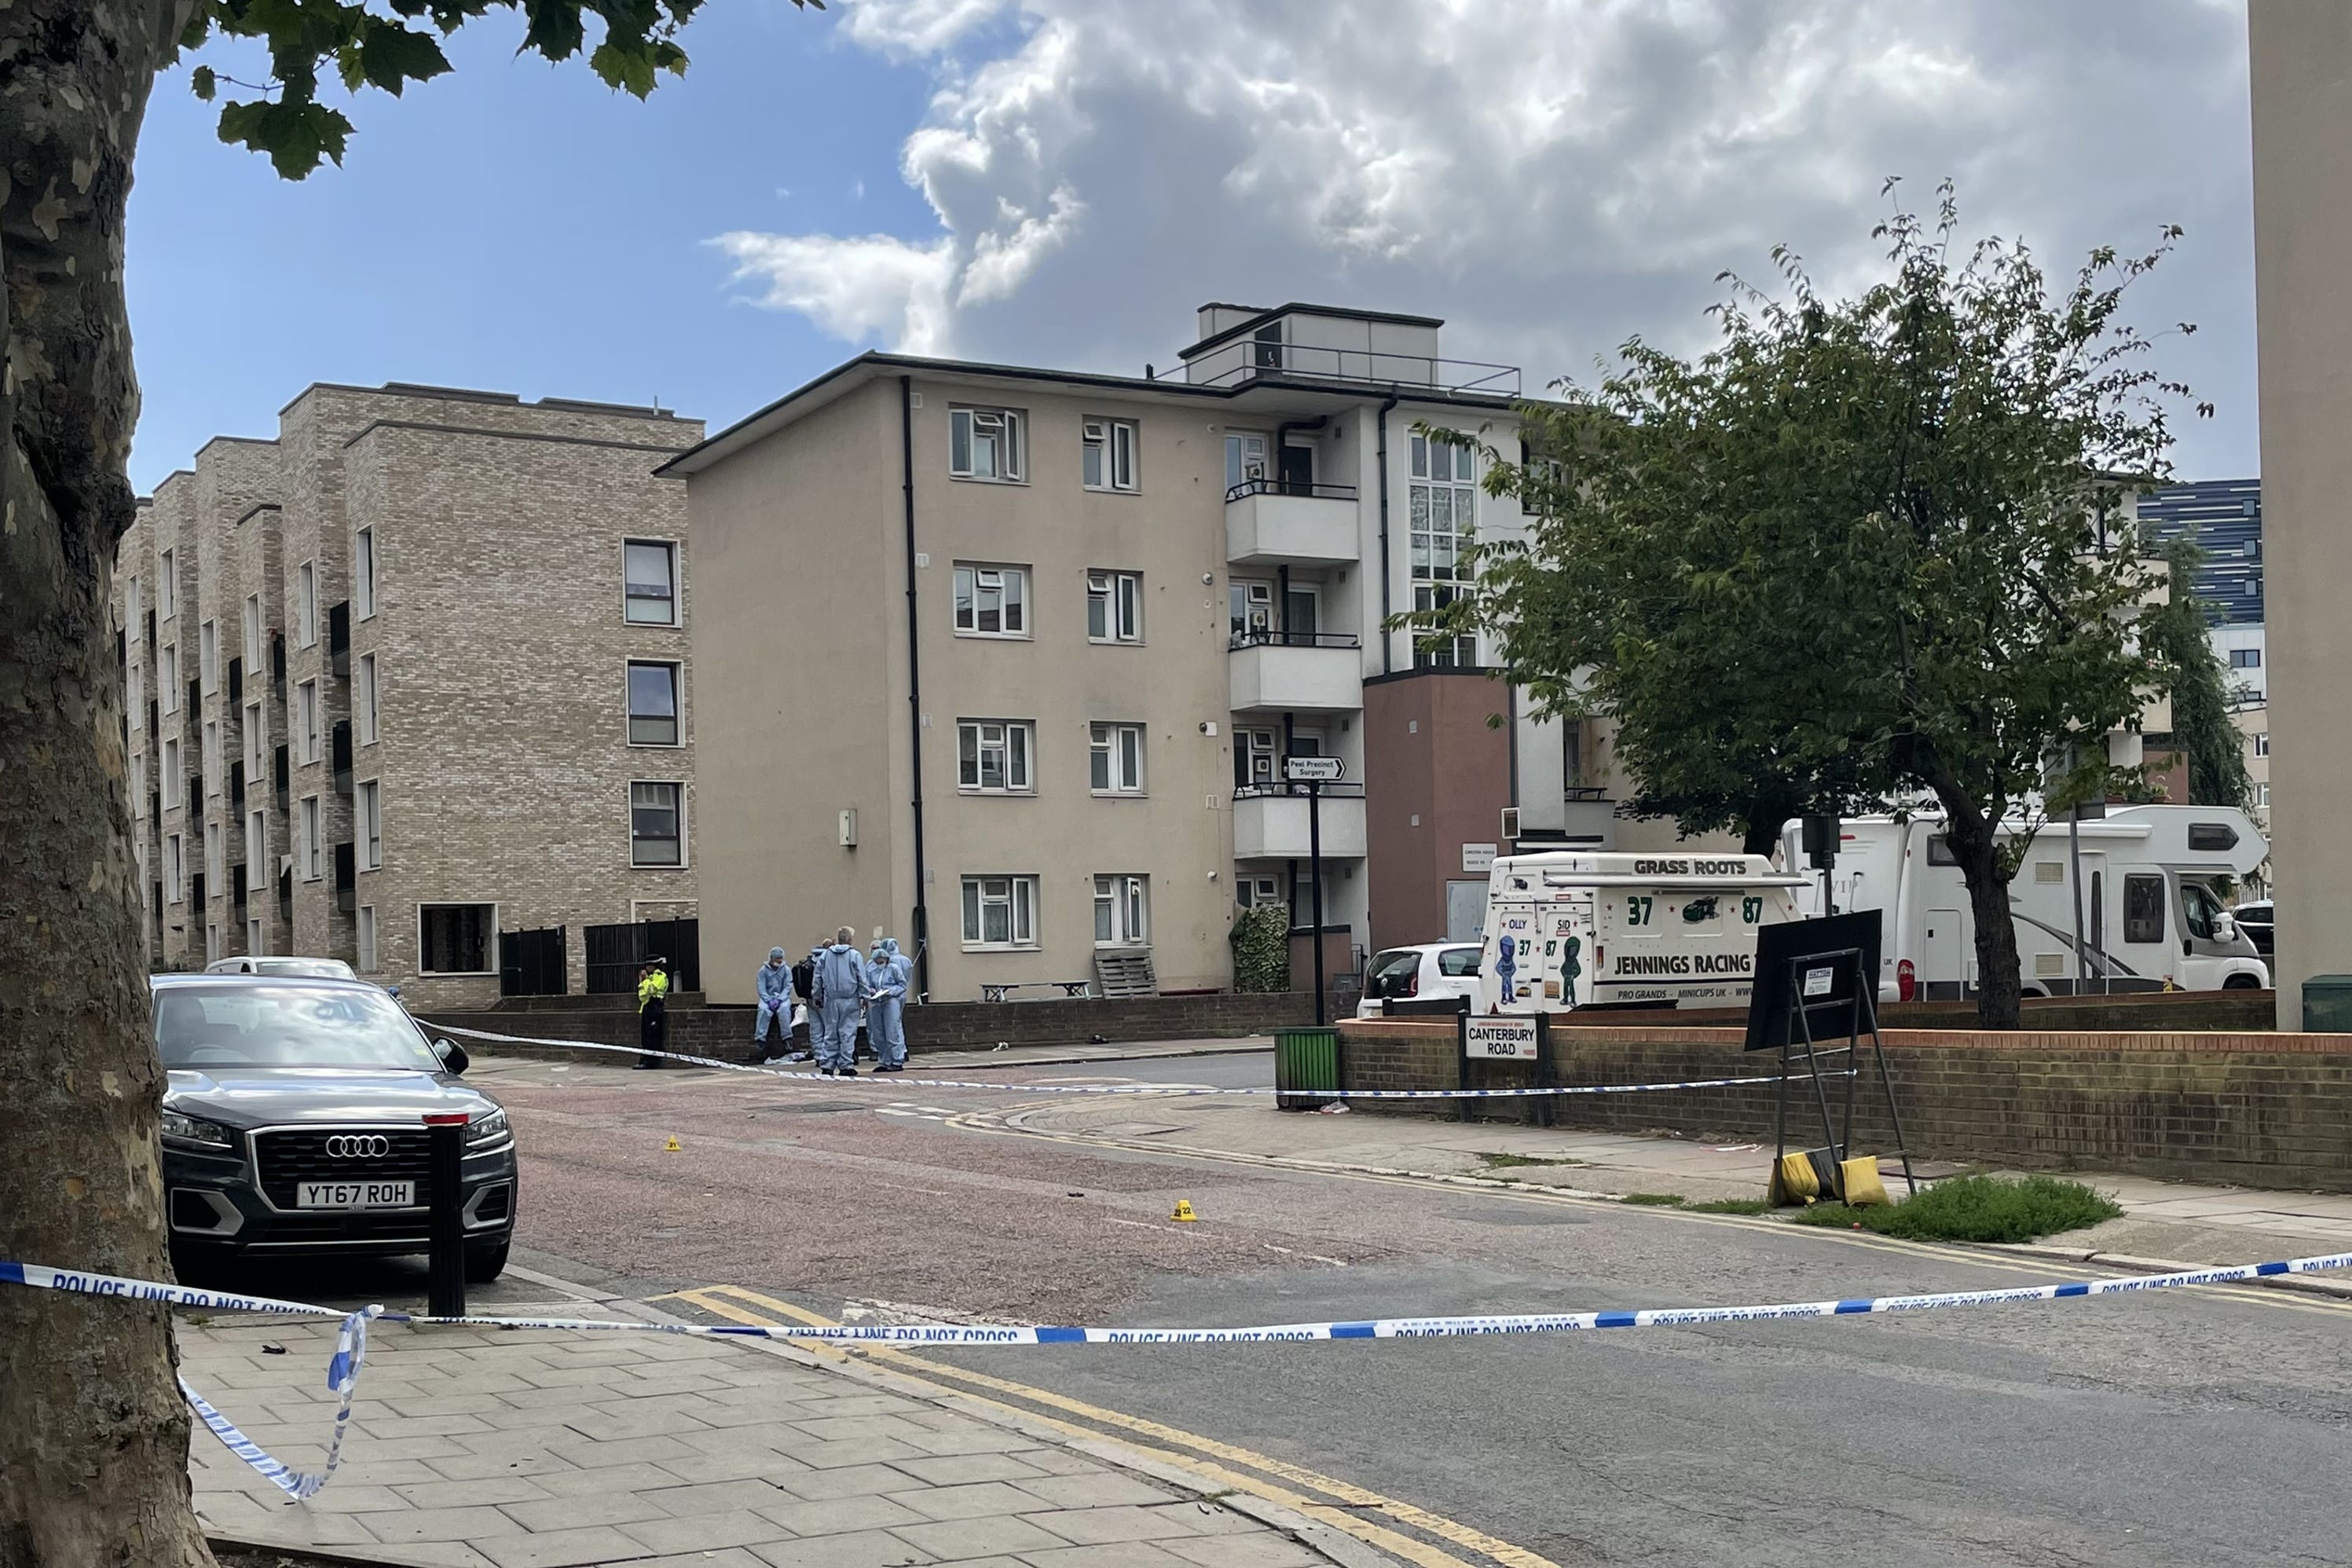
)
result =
(347, 875)
(1586, 792)
(1266, 636)
(533, 963)
(1281, 360)
(1274, 485)
(616, 954)
(338, 639)
(1279, 788)
(341, 748)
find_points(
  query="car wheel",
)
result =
(2240, 983)
(484, 1264)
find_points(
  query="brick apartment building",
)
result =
(1056, 633)
(412, 674)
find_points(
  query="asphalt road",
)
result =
(2177, 1427)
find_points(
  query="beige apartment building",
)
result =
(410, 676)
(1008, 662)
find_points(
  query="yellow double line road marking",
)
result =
(1220, 1466)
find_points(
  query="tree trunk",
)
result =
(1972, 835)
(93, 1446)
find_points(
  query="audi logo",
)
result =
(359, 1146)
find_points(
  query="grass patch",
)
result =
(1732, 1205)
(1977, 1208)
(1513, 1161)
(1654, 1200)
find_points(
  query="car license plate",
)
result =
(355, 1195)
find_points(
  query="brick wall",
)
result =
(2250, 1108)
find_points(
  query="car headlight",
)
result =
(488, 1128)
(179, 1128)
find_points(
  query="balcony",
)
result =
(1297, 672)
(1270, 822)
(1238, 362)
(1277, 522)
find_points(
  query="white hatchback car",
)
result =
(1431, 971)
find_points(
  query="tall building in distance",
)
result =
(1011, 661)
(409, 675)
(2224, 517)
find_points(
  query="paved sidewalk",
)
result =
(491, 1448)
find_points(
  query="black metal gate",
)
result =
(533, 963)
(616, 954)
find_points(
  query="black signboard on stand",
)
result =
(1815, 996)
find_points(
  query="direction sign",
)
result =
(1312, 770)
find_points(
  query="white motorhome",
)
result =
(2150, 918)
(1566, 930)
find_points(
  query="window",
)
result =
(363, 573)
(211, 942)
(2212, 838)
(1251, 891)
(367, 963)
(1253, 755)
(135, 684)
(2200, 912)
(314, 849)
(1114, 606)
(2263, 794)
(257, 851)
(1121, 918)
(363, 699)
(1117, 758)
(1443, 501)
(167, 677)
(2245, 658)
(306, 603)
(1246, 461)
(653, 705)
(991, 601)
(167, 585)
(1939, 851)
(208, 656)
(173, 868)
(139, 785)
(255, 942)
(2143, 909)
(215, 862)
(1250, 607)
(254, 740)
(253, 633)
(987, 444)
(1106, 457)
(657, 825)
(305, 720)
(992, 755)
(1000, 911)
(649, 570)
(455, 939)
(1267, 346)
(2263, 743)
(367, 812)
(171, 781)
(130, 604)
(212, 760)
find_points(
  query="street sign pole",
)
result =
(1315, 772)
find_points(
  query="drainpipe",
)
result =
(922, 930)
(1388, 642)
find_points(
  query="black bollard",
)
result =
(445, 1178)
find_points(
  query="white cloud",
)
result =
(1551, 176)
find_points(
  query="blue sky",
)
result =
(1060, 182)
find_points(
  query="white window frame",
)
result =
(680, 863)
(1114, 606)
(138, 783)
(1106, 455)
(167, 585)
(306, 604)
(1019, 901)
(174, 784)
(208, 656)
(677, 703)
(2261, 742)
(1251, 890)
(257, 739)
(253, 635)
(367, 824)
(363, 573)
(132, 607)
(1014, 739)
(1003, 432)
(365, 923)
(1258, 755)
(135, 696)
(306, 730)
(211, 761)
(676, 557)
(1122, 909)
(175, 866)
(167, 678)
(215, 856)
(1118, 748)
(1444, 479)
(311, 839)
(2263, 794)
(489, 945)
(257, 853)
(363, 700)
(972, 589)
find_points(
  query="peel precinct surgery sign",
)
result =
(1500, 1039)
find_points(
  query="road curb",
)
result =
(2306, 1284)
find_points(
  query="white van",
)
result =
(2149, 918)
(1566, 930)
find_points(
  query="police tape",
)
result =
(351, 1344)
(1161, 1090)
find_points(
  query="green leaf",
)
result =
(298, 136)
(390, 56)
(553, 28)
(629, 68)
(204, 84)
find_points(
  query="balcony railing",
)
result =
(1269, 485)
(1268, 636)
(1305, 362)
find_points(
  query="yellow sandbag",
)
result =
(1793, 1181)
(1859, 1177)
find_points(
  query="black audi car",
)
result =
(293, 1123)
